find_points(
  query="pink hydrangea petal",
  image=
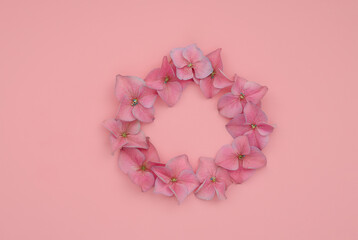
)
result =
(131, 127)
(154, 79)
(176, 55)
(256, 159)
(222, 175)
(136, 141)
(151, 153)
(257, 140)
(226, 157)
(113, 126)
(180, 191)
(164, 173)
(195, 80)
(241, 175)
(241, 145)
(185, 73)
(162, 188)
(254, 114)
(264, 129)
(207, 168)
(117, 143)
(125, 110)
(143, 114)
(192, 53)
(229, 105)
(238, 126)
(171, 93)
(167, 69)
(127, 86)
(144, 179)
(220, 189)
(206, 191)
(220, 80)
(203, 68)
(207, 87)
(238, 86)
(147, 97)
(188, 178)
(254, 92)
(215, 59)
(178, 164)
(130, 159)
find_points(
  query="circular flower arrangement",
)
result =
(233, 163)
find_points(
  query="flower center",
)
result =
(253, 126)
(124, 135)
(242, 96)
(213, 74)
(143, 168)
(134, 102)
(213, 179)
(173, 179)
(240, 156)
(190, 65)
(166, 79)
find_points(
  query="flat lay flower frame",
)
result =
(234, 163)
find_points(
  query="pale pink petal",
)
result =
(188, 178)
(241, 175)
(162, 188)
(207, 88)
(241, 145)
(180, 191)
(227, 158)
(229, 105)
(117, 143)
(256, 159)
(254, 114)
(143, 114)
(165, 174)
(215, 59)
(238, 86)
(178, 164)
(192, 53)
(238, 126)
(151, 154)
(206, 191)
(144, 179)
(254, 92)
(222, 175)
(127, 86)
(136, 141)
(207, 168)
(130, 159)
(176, 55)
(203, 68)
(255, 139)
(195, 80)
(185, 73)
(220, 189)
(220, 80)
(125, 110)
(171, 93)
(114, 126)
(155, 79)
(147, 97)
(167, 68)
(131, 127)
(264, 129)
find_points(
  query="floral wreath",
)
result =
(233, 163)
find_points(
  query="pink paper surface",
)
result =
(58, 61)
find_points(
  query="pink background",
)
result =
(58, 60)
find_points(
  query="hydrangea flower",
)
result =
(214, 180)
(125, 134)
(242, 91)
(136, 100)
(216, 81)
(175, 178)
(240, 152)
(137, 163)
(252, 123)
(190, 62)
(164, 81)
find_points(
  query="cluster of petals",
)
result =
(233, 163)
